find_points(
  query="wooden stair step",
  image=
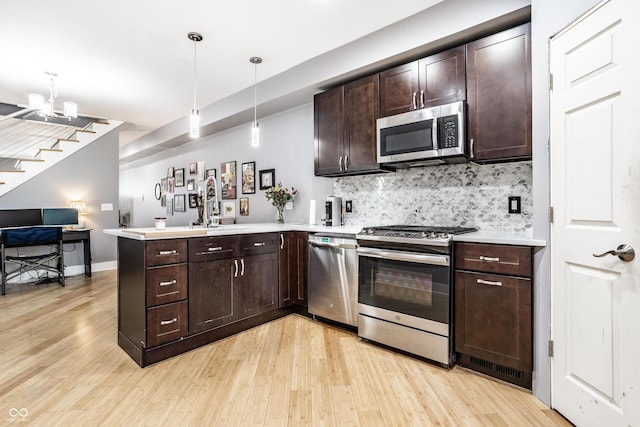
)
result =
(86, 131)
(67, 140)
(11, 170)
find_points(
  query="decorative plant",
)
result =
(279, 196)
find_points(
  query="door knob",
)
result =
(624, 252)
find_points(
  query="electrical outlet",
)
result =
(515, 205)
(348, 206)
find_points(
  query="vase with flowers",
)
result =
(279, 196)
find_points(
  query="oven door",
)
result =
(415, 284)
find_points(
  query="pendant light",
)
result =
(194, 118)
(255, 130)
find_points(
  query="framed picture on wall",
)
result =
(228, 180)
(211, 172)
(244, 206)
(170, 172)
(267, 178)
(169, 206)
(249, 178)
(178, 203)
(193, 168)
(179, 177)
(193, 200)
(201, 171)
(229, 209)
(191, 185)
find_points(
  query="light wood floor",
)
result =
(60, 362)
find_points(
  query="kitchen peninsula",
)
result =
(180, 288)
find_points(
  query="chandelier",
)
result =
(194, 118)
(45, 109)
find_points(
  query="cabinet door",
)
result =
(328, 131)
(442, 78)
(212, 294)
(286, 266)
(257, 284)
(360, 115)
(493, 318)
(499, 96)
(293, 268)
(399, 89)
(299, 291)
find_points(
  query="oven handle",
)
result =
(405, 256)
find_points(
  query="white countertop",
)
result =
(225, 230)
(522, 238)
(489, 236)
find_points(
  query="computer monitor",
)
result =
(20, 217)
(60, 216)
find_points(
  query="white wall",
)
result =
(286, 145)
(547, 18)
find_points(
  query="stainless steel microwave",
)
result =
(423, 137)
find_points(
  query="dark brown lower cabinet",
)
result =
(493, 312)
(178, 294)
(213, 298)
(257, 292)
(293, 268)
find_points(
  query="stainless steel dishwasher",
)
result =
(333, 277)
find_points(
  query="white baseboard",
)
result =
(76, 270)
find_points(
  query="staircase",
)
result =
(26, 153)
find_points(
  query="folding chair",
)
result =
(32, 236)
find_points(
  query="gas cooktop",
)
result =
(415, 234)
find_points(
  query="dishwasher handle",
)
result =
(333, 245)
(421, 258)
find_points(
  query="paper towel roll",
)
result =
(312, 212)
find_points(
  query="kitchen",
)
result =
(289, 127)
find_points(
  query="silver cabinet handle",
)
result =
(281, 241)
(422, 99)
(489, 259)
(346, 162)
(217, 248)
(415, 104)
(624, 252)
(171, 252)
(340, 163)
(488, 282)
(168, 322)
(170, 282)
(258, 244)
(471, 153)
(235, 263)
(242, 263)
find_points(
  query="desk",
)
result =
(83, 236)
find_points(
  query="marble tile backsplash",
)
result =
(463, 195)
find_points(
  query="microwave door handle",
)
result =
(434, 134)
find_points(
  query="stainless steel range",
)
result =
(405, 297)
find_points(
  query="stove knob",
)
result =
(423, 235)
(444, 235)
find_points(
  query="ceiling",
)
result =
(132, 60)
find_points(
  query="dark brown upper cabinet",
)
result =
(435, 80)
(345, 129)
(499, 96)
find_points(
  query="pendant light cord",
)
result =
(195, 80)
(255, 93)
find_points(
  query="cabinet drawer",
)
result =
(162, 252)
(262, 243)
(167, 323)
(512, 260)
(212, 248)
(166, 284)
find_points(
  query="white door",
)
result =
(595, 192)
